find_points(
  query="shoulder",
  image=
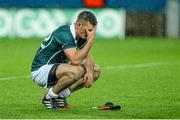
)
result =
(63, 33)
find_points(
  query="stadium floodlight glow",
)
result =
(94, 3)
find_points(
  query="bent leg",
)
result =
(80, 83)
(67, 75)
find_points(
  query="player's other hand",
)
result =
(91, 35)
(88, 80)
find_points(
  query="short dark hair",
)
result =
(87, 16)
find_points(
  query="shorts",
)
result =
(45, 76)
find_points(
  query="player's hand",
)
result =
(88, 80)
(91, 35)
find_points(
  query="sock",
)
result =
(51, 94)
(65, 93)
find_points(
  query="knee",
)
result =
(97, 72)
(70, 76)
(77, 72)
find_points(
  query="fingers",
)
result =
(88, 80)
(85, 78)
(91, 35)
(89, 32)
(88, 84)
(93, 31)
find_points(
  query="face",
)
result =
(81, 29)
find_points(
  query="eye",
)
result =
(90, 30)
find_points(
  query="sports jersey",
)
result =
(51, 51)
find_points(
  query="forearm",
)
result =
(82, 53)
(89, 63)
(88, 77)
(85, 50)
(76, 57)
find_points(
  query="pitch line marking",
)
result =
(137, 66)
(121, 67)
(14, 77)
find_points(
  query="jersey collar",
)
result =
(72, 29)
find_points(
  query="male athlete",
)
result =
(63, 63)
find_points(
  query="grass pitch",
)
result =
(140, 74)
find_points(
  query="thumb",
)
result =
(85, 78)
(87, 31)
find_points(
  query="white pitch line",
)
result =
(14, 77)
(119, 67)
(136, 66)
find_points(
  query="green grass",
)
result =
(149, 91)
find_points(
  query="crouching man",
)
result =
(63, 63)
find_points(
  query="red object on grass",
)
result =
(104, 108)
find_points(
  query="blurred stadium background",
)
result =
(138, 48)
(120, 18)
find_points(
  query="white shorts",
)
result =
(40, 76)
